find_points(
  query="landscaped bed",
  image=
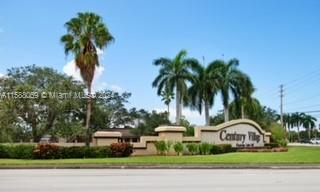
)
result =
(295, 155)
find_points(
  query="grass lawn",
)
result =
(295, 155)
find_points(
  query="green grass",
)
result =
(295, 155)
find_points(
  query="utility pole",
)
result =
(281, 104)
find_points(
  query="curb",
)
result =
(163, 167)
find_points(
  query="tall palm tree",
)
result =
(228, 79)
(203, 89)
(174, 74)
(167, 96)
(86, 33)
(309, 122)
(297, 121)
(244, 93)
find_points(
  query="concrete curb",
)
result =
(88, 166)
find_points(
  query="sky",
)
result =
(277, 42)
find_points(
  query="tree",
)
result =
(228, 81)
(203, 89)
(150, 122)
(167, 96)
(244, 92)
(86, 33)
(39, 101)
(309, 123)
(174, 74)
(297, 121)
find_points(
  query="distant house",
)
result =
(126, 135)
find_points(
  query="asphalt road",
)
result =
(146, 180)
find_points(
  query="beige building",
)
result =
(238, 133)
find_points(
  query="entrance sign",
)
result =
(238, 133)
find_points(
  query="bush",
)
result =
(22, 151)
(205, 148)
(72, 152)
(5, 151)
(271, 145)
(278, 134)
(193, 148)
(121, 149)
(168, 146)
(161, 147)
(178, 148)
(97, 152)
(47, 151)
(215, 149)
(222, 148)
(226, 148)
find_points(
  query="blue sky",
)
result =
(275, 41)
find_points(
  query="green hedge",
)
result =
(50, 151)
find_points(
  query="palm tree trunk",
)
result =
(226, 113)
(178, 103)
(168, 110)
(206, 112)
(89, 106)
(242, 111)
(298, 133)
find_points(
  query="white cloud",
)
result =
(71, 70)
(105, 85)
(192, 116)
(1, 75)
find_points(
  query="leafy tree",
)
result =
(175, 73)
(86, 33)
(42, 102)
(150, 122)
(110, 111)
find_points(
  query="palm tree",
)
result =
(309, 122)
(228, 79)
(174, 74)
(296, 119)
(203, 89)
(167, 96)
(244, 93)
(86, 33)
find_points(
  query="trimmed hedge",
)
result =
(51, 151)
(121, 149)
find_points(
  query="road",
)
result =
(146, 180)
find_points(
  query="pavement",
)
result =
(156, 180)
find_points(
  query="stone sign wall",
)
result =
(238, 133)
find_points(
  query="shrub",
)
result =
(205, 148)
(98, 152)
(226, 148)
(178, 148)
(215, 149)
(168, 146)
(5, 151)
(47, 151)
(161, 147)
(222, 148)
(278, 134)
(121, 149)
(193, 148)
(271, 145)
(72, 152)
(22, 151)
